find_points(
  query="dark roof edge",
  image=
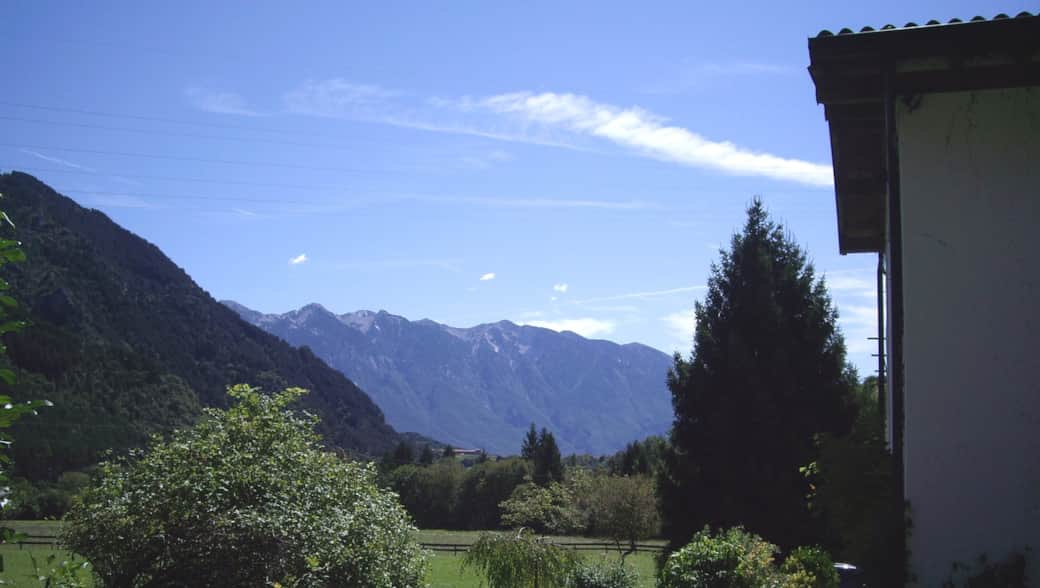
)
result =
(1011, 35)
(912, 25)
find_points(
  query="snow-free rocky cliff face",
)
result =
(483, 386)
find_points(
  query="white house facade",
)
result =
(935, 134)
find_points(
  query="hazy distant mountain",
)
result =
(125, 343)
(483, 386)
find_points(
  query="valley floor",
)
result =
(445, 568)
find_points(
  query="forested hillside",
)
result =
(125, 344)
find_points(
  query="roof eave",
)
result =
(850, 71)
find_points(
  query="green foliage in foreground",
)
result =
(244, 498)
(809, 567)
(730, 559)
(43, 568)
(10, 411)
(520, 561)
(603, 574)
(735, 558)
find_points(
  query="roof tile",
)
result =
(933, 22)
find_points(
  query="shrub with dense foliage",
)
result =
(545, 509)
(520, 560)
(735, 558)
(809, 567)
(603, 574)
(244, 498)
(730, 559)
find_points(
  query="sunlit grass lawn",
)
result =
(445, 568)
(18, 566)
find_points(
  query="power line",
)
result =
(195, 197)
(314, 187)
(186, 135)
(201, 159)
(151, 118)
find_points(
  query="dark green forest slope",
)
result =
(126, 344)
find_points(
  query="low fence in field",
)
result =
(51, 541)
(604, 546)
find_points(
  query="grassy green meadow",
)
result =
(446, 572)
(445, 568)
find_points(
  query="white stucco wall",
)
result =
(970, 179)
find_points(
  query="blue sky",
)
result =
(565, 164)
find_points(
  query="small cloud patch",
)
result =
(561, 288)
(299, 259)
(586, 327)
(682, 324)
(487, 277)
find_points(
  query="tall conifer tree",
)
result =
(767, 373)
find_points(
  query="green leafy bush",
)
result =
(546, 509)
(520, 560)
(809, 567)
(244, 498)
(605, 574)
(54, 571)
(730, 559)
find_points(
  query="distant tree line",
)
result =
(610, 496)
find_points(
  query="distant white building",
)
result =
(935, 137)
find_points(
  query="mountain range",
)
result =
(126, 344)
(482, 387)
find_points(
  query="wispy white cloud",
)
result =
(586, 327)
(486, 160)
(614, 308)
(641, 295)
(301, 258)
(336, 98)
(682, 325)
(561, 288)
(858, 323)
(650, 135)
(861, 283)
(57, 160)
(554, 119)
(487, 277)
(343, 99)
(219, 102)
(849, 282)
